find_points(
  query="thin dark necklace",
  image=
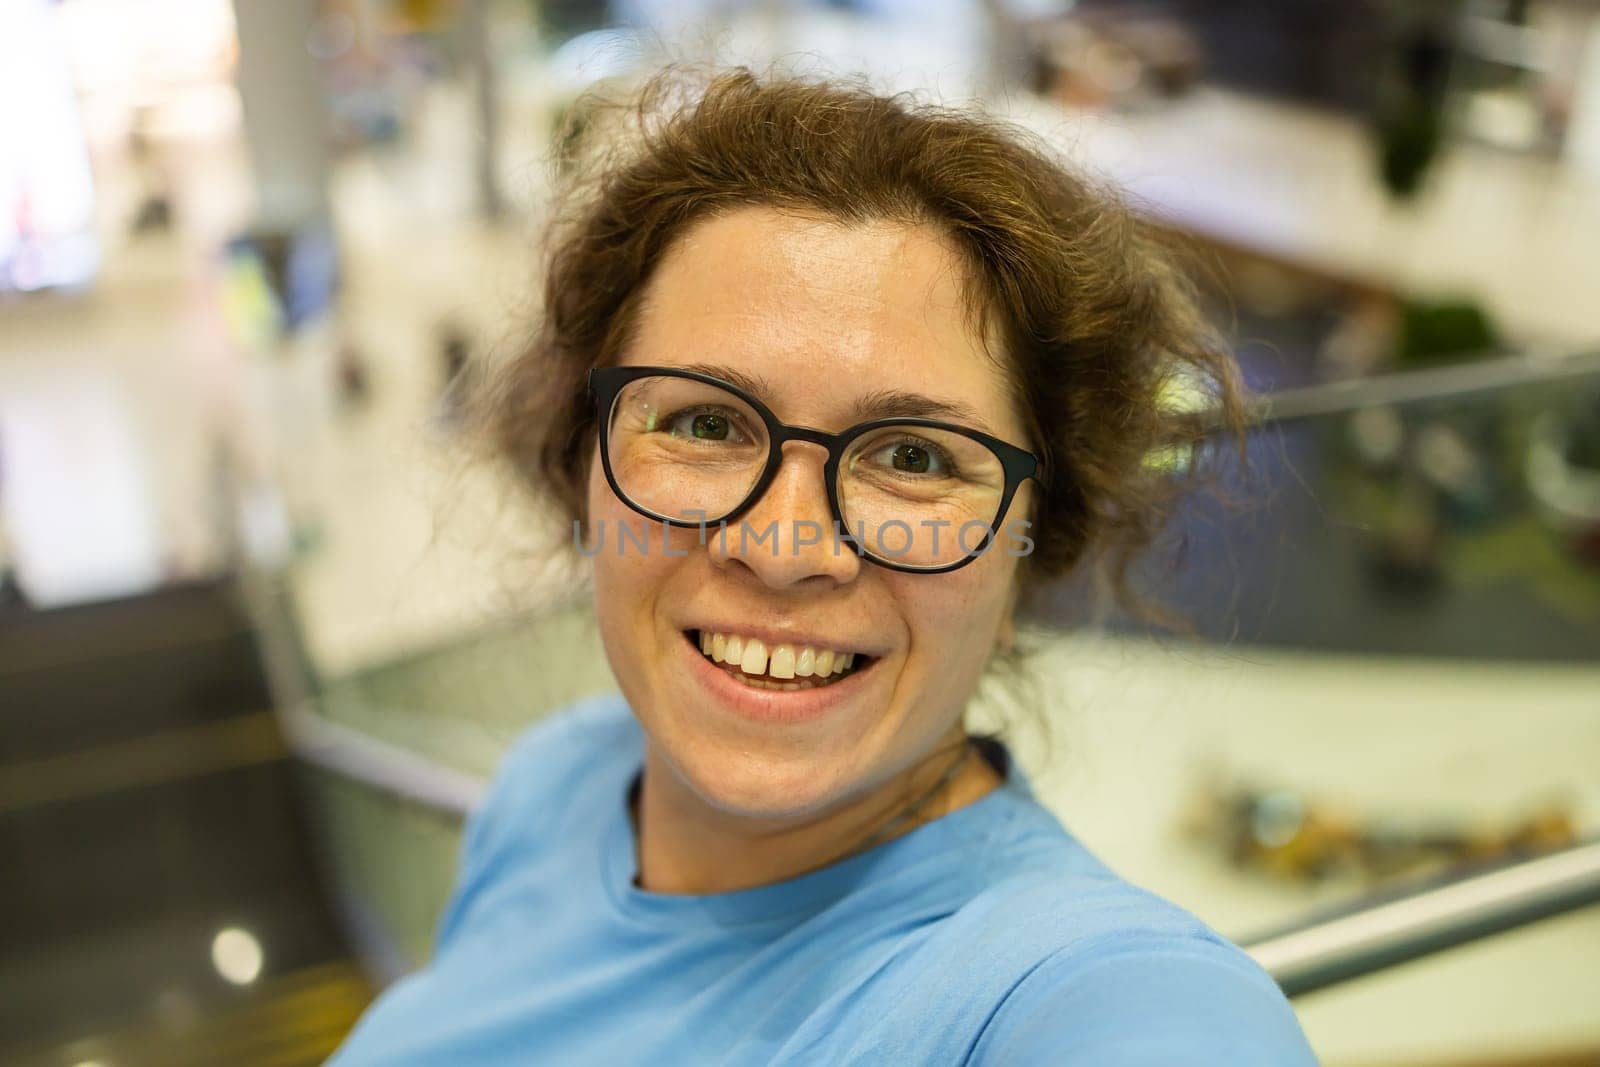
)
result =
(915, 808)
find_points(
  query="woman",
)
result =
(803, 349)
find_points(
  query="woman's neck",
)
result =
(686, 846)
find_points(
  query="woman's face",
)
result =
(832, 320)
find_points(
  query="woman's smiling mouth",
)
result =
(765, 696)
(787, 667)
(781, 666)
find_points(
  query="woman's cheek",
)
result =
(956, 619)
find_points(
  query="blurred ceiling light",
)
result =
(236, 954)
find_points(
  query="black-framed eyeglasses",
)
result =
(910, 494)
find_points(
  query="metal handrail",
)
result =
(362, 758)
(1457, 381)
(1378, 933)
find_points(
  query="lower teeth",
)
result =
(768, 683)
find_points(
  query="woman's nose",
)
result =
(788, 534)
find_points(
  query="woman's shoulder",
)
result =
(1115, 975)
(582, 750)
(1073, 903)
(1089, 953)
(595, 727)
(573, 742)
(1082, 965)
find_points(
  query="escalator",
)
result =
(161, 899)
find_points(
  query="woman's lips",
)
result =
(805, 702)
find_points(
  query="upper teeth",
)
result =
(751, 655)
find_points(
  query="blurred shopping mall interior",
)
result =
(267, 622)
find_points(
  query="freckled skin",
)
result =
(824, 312)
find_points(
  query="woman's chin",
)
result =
(756, 786)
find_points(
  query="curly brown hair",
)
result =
(1093, 319)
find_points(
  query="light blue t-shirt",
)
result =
(987, 936)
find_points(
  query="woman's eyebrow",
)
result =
(753, 384)
(877, 404)
(896, 403)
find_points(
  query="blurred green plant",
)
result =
(1442, 331)
(1408, 139)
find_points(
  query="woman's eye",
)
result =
(911, 459)
(703, 426)
(907, 457)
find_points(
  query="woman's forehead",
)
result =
(817, 315)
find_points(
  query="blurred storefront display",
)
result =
(1284, 834)
(46, 191)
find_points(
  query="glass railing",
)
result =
(1443, 513)
(398, 752)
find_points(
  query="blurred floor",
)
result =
(294, 1021)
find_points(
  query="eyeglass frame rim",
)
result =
(605, 385)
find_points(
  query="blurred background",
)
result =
(264, 632)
